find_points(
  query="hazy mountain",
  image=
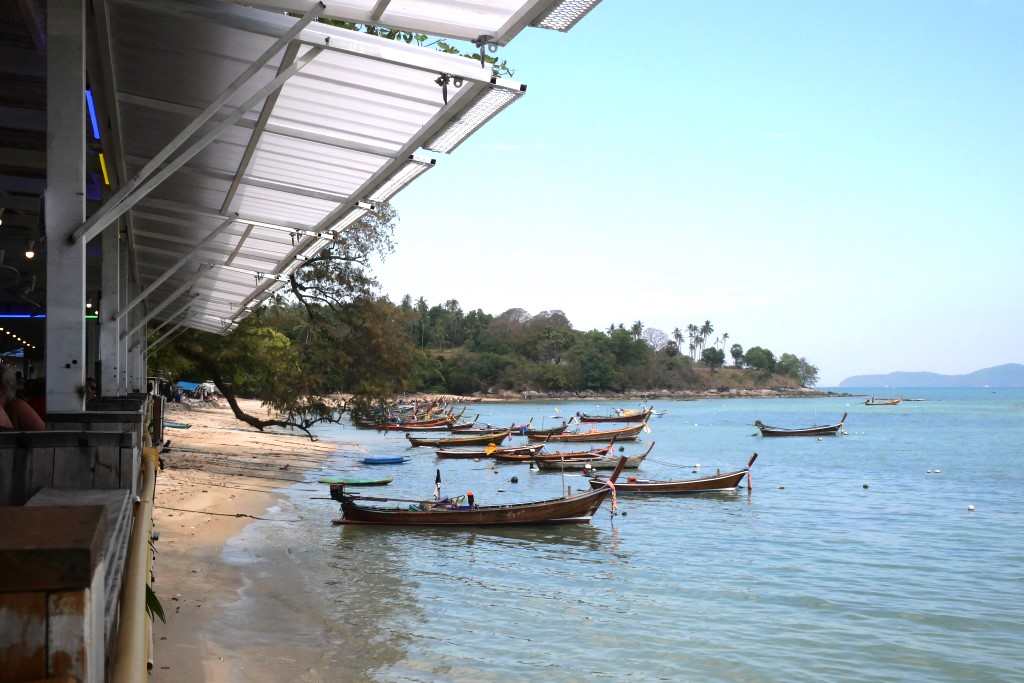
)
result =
(1009, 375)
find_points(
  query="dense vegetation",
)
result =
(478, 352)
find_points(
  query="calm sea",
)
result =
(810, 576)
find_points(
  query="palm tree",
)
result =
(705, 333)
(677, 334)
(725, 339)
(636, 330)
(692, 331)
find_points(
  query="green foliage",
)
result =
(760, 359)
(713, 358)
(736, 351)
(154, 608)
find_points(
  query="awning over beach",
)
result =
(251, 139)
(492, 21)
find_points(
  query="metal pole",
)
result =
(110, 298)
(104, 216)
(65, 205)
(173, 269)
(163, 304)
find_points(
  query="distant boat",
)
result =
(714, 483)
(621, 415)
(621, 434)
(497, 452)
(357, 481)
(883, 401)
(475, 440)
(819, 430)
(596, 462)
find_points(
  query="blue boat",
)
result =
(385, 460)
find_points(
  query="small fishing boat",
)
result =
(442, 423)
(385, 459)
(475, 440)
(716, 482)
(487, 429)
(357, 481)
(621, 415)
(579, 508)
(558, 455)
(819, 430)
(173, 424)
(548, 431)
(883, 401)
(598, 462)
(525, 452)
(619, 434)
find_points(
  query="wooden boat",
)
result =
(619, 416)
(558, 455)
(595, 463)
(820, 430)
(470, 429)
(578, 508)
(620, 434)
(883, 401)
(475, 440)
(442, 423)
(525, 452)
(716, 482)
(357, 481)
(549, 431)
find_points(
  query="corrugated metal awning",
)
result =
(284, 167)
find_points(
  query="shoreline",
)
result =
(219, 477)
(531, 396)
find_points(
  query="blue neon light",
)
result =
(22, 315)
(92, 114)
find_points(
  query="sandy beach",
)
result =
(219, 475)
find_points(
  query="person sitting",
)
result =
(16, 412)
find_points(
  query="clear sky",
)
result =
(839, 180)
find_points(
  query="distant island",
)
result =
(1001, 376)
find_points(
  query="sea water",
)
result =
(852, 558)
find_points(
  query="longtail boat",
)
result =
(819, 430)
(579, 508)
(549, 431)
(435, 424)
(525, 452)
(558, 455)
(883, 401)
(716, 482)
(487, 429)
(619, 434)
(619, 416)
(595, 463)
(475, 440)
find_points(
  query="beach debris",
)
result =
(970, 508)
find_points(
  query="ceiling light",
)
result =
(30, 253)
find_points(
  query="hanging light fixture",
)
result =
(30, 252)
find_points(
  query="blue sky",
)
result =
(843, 181)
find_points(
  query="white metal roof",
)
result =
(279, 179)
(495, 21)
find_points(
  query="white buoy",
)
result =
(697, 466)
(846, 433)
(938, 471)
(820, 439)
(970, 508)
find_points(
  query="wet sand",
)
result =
(216, 470)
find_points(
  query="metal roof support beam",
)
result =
(257, 132)
(238, 247)
(112, 207)
(378, 10)
(168, 336)
(171, 271)
(65, 205)
(177, 312)
(162, 305)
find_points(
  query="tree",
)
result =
(636, 330)
(737, 355)
(655, 338)
(788, 364)
(760, 359)
(677, 335)
(808, 373)
(705, 333)
(713, 358)
(725, 340)
(671, 349)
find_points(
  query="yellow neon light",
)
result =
(103, 167)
